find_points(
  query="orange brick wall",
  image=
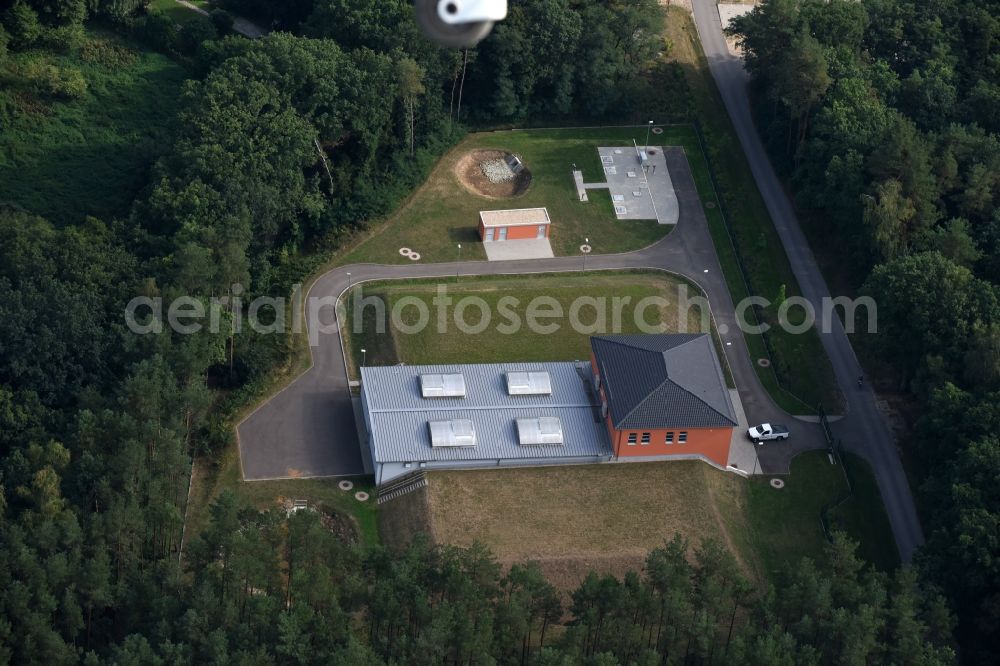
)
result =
(713, 443)
(515, 233)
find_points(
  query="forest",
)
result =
(279, 151)
(883, 116)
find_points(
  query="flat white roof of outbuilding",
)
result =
(521, 217)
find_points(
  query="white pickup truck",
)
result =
(766, 432)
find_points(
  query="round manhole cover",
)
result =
(361, 496)
(764, 362)
(346, 485)
(405, 251)
(414, 256)
(777, 484)
(657, 130)
(586, 249)
(710, 204)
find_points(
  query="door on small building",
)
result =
(541, 231)
(489, 235)
(503, 233)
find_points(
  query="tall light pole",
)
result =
(648, 128)
(364, 354)
(585, 250)
(459, 259)
(350, 282)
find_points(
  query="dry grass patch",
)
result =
(572, 519)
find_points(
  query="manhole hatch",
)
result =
(361, 496)
(346, 485)
(764, 362)
(777, 484)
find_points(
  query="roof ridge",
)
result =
(694, 338)
(725, 388)
(702, 401)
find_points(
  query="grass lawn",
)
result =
(435, 344)
(607, 517)
(784, 525)
(746, 232)
(177, 12)
(68, 159)
(442, 213)
(572, 519)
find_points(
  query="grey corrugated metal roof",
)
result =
(399, 415)
(663, 381)
(398, 387)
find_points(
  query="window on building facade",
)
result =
(683, 438)
(670, 438)
(632, 437)
(645, 439)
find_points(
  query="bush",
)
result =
(52, 81)
(22, 23)
(193, 34)
(222, 20)
(117, 10)
(157, 31)
(64, 38)
(4, 41)
(107, 54)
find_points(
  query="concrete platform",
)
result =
(519, 249)
(637, 193)
(742, 452)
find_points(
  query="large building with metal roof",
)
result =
(641, 397)
(477, 416)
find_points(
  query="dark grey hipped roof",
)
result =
(663, 381)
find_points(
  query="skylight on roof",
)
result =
(442, 386)
(542, 431)
(454, 433)
(529, 383)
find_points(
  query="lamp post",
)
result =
(364, 354)
(648, 128)
(585, 250)
(459, 259)
(350, 282)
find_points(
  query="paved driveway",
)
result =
(308, 430)
(865, 431)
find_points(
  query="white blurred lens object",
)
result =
(459, 23)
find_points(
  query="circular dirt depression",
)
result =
(469, 170)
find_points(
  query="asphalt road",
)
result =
(866, 430)
(308, 429)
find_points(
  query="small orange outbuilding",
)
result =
(519, 224)
(663, 396)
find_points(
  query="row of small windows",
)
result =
(633, 438)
